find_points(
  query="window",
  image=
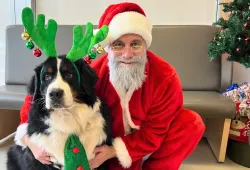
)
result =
(10, 11)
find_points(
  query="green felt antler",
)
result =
(43, 37)
(82, 44)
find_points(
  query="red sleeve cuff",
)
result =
(25, 109)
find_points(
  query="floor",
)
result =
(201, 159)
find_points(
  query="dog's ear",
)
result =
(37, 82)
(89, 78)
(31, 85)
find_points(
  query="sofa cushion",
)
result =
(12, 96)
(209, 104)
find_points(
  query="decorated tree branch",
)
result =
(233, 36)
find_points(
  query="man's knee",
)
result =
(192, 121)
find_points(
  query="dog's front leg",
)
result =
(88, 146)
(53, 144)
(90, 140)
(58, 146)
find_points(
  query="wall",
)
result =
(240, 73)
(10, 14)
(179, 12)
(163, 12)
(5, 20)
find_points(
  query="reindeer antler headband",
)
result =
(45, 37)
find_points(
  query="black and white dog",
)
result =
(64, 103)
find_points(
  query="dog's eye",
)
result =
(47, 77)
(69, 76)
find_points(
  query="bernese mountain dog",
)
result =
(64, 103)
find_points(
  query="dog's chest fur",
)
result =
(84, 121)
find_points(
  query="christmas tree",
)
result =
(233, 36)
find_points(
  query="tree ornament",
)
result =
(25, 35)
(88, 60)
(214, 39)
(99, 49)
(37, 52)
(30, 45)
(238, 49)
(245, 25)
(92, 55)
(246, 39)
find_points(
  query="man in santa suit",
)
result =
(152, 130)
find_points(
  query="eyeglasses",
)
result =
(120, 47)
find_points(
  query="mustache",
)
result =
(134, 59)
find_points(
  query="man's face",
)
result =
(128, 46)
(127, 60)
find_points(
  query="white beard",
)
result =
(127, 76)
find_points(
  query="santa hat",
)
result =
(125, 18)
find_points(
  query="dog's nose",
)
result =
(56, 94)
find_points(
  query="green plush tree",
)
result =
(233, 36)
(75, 155)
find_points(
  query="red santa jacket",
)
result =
(149, 110)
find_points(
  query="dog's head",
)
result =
(60, 82)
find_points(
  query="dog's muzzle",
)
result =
(56, 97)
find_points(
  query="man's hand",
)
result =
(103, 153)
(38, 153)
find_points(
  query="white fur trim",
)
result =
(124, 99)
(128, 22)
(20, 132)
(122, 153)
(127, 112)
(131, 22)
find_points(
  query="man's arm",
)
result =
(22, 128)
(167, 103)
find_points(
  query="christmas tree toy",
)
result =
(233, 36)
(83, 45)
(75, 155)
